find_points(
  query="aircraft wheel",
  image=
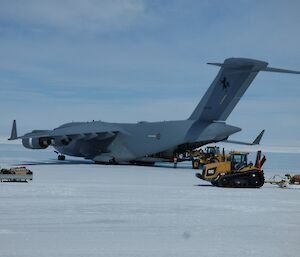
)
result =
(112, 161)
(61, 157)
(196, 164)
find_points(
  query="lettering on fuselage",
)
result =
(156, 136)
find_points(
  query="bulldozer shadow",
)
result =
(204, 185)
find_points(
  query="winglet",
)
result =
(14, 134)
(258, 138)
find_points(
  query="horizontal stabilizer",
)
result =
(258, 139)
(270, 69)
(241, 66)
(216, 63)
(255, 142)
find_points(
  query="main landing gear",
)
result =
(60, 157)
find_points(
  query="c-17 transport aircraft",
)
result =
(149, 142)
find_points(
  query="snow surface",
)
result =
(76, 208)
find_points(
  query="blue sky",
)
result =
(133, 60)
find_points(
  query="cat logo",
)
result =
(211, 172)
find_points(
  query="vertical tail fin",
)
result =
(232, 81)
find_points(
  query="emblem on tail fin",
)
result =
(225, 83)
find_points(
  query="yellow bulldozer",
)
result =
(211, 154)
(235, 171)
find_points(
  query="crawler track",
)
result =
(250, 179)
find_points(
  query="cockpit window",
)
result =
(213, 150)
(238, 158)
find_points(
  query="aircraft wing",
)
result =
(83, 131)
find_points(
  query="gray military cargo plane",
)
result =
(105, 142)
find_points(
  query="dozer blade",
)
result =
(199, 175)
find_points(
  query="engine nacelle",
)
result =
(36, 143)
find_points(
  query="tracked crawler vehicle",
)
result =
(235, 171)
(16, 174)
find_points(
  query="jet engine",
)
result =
(36, 143)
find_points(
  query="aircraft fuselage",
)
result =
(133, 141)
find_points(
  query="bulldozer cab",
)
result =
(238, 160)
(212, 150)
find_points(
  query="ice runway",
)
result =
(82, 209)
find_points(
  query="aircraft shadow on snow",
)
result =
(88, 162)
